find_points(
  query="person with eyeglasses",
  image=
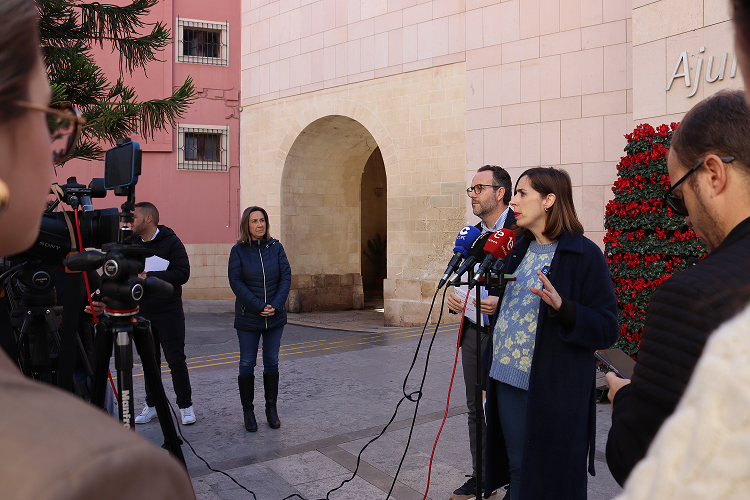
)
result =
(54, 445)
(709, 168)
(490, 193)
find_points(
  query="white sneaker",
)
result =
(147, 415)
(188, 415)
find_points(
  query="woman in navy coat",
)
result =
(260, 277)
(541, 384)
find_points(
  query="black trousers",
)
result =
(168, 330)
(469, 364)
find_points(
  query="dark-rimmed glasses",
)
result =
(477, 188)
(678, 204)
(64, 124)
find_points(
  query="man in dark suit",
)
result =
(490, 193)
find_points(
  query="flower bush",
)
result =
(645, 242)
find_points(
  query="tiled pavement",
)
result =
(339, 387)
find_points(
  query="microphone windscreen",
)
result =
(476, 250)
(500, 243)
(465, 238)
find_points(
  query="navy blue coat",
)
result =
(560, 419)
(259, 274)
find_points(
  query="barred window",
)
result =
(202, 148)
(202, 42)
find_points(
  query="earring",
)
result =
(545, 210)
(4, 196)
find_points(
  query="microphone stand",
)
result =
(479, 405)
(479, 402)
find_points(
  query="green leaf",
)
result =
(68, 31)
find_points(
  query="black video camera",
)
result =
(122, 166)
(30, 278)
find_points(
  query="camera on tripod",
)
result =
(32, 277)
(49, 347)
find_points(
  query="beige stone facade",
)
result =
(662, 32)
(439, 88)
(208, 272)
(305, 156)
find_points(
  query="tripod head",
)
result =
(121, 287)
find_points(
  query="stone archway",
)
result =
(321, 208)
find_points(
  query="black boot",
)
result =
(247, 391)
(271, 386)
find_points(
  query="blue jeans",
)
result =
(249, 342)
(511, 405)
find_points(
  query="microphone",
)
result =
(475, 253)
(498, 246)
(465, 238)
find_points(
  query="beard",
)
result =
(705, 223)
(140, 229)
(484, 208)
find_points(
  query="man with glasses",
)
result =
(490, 193)
(709, 167)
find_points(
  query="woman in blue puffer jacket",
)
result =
(260, 277)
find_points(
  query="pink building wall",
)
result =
(201, 206)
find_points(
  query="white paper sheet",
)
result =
(471, 309)
(155, 263)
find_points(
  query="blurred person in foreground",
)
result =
(53, 445)
(541, 392)
(702, 451)
(709, 169)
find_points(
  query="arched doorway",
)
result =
(374, 228)
(321, 213)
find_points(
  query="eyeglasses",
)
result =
(678, 204)
(64, 123)
(477, 188)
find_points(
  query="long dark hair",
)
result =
(244, 223)
(561, 217)
(19, 52)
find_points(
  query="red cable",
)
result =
(448, 402)
(91, 302)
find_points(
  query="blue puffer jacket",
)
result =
(259, 274)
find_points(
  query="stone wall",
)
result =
(662, 32)
(325, 292)
(303, 158)
(208, 271)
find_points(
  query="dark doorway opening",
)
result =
(374, 229)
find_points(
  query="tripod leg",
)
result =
(124, 365)
(144, 343)
(103, 352)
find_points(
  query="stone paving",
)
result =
(336, 393)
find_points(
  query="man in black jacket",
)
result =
(490, 193)
(709, 168)
(170, 263)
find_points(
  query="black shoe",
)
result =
(467, 491)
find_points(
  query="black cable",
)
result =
(177, 424)
(414, 397)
